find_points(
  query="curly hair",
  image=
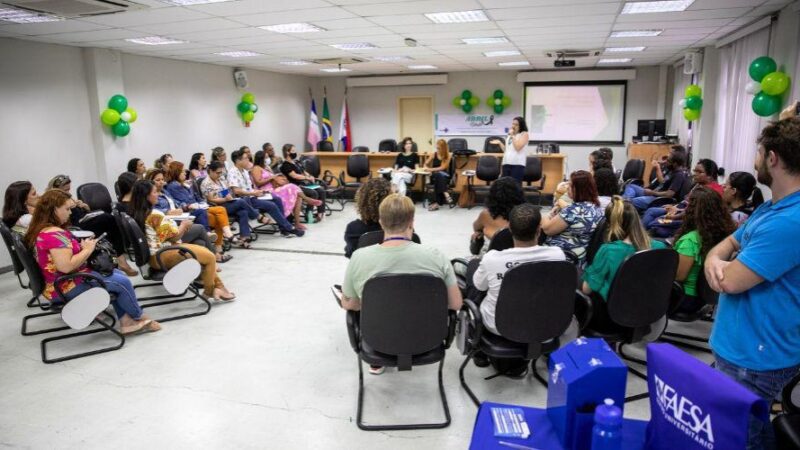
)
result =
(504, 195)
(708, 215)
(369, 197)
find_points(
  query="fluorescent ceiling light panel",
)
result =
(458, 16)
(484, 40)
(624, 49)
(498, 53)
(656, 7)
(295, 63)
(636, 33)
(392, 58)
(298, 27)
(22, 16)
(354, 46)
(155, 40)
(192, 2)
(614, 60)
(422, 67)
(336, 70)
(238, 54)
(514, 63)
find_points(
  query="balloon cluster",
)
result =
(767, 86)
(498, 101)
(466, 101)
(119, 116)
(692, 103)
(247, 107)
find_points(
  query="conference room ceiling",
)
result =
(530, 27)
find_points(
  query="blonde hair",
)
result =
(623, 222)
(396, 213)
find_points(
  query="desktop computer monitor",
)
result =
(648, 129)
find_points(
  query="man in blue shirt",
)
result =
(756, 335)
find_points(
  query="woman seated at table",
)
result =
(294, 171)
(217, 192)
(98, 222)
(440, 177)
(163, 232)
(58, 253)
(404, 165)
(197, 166)
(368, 200)
(290, 194)
(20, 201)
(504, 194)
(571, 227)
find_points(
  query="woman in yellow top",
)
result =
(440, 177)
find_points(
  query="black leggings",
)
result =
(317, 194)
(440, 180)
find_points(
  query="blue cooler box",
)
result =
(583, 373)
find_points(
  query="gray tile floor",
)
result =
(273, 369)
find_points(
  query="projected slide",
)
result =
(577, 113)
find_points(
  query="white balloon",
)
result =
(463, 102)
(753, 87)
(497, 101)
(126, 116)
(682, 103)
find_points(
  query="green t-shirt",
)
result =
(690, 245)
(410, 258)
(604, 266)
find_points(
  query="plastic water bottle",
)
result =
(607, 430)
(309, 215)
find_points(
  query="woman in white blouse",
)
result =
(514, 153)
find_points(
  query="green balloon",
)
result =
(490, 102)
(761, 67)
(693, 90)
(466, 94)
(694, 102)
(474, 101)
(766, 105)
(248, 116)
(121, 128)
(506, 102)
(466, 107)
(775, 83)
(243, 107)
(109, 117)
(118, 103)
(457, 102)
(248, 98)
(691, 114)
(498, 109)
(498, 94)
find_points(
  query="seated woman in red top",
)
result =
(59, 253)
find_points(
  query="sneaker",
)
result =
(376, 370)
(287, 234)
(298, 232)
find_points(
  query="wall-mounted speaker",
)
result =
(240, 78)
(692, 63)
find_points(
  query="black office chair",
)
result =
(77, 314)
(787, 424)
(96, 195)
(16, 264)
(457, 144)
(533, 173)
(325, 146)
(488, 170)
(376, 237)
(632, 173)
(637, 304)
(358, 168)
(403, 322)
(598, 238)
(360, 149)
(534, 308)
(428, 189)
(333, 191)
(709, 299)
(387, 145)
(501, 240)
(488, 147)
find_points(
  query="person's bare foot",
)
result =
(126, 269)
(127, 325)
(224, 294)
(314, 202)
(300, 226)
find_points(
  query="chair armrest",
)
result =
(571, 256)
(452, 319)
(72, 276)
(341, 178)
(182, 250)
(542, 182)
(463, 261)
(583, 309)
(476, 321)
(352, 319)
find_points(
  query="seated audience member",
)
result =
(216, 217)
(368, 198)
(197, 166)
(706, 223)
(438, 166)
(216, 192)
(571, 228)
(162, 231)
(125, 183)
(524, 220)
(660, 168)
(242, 186)
(741, 196)
(271, 160)
(58, 253)
(294, 171)
(398, 254)
(218, 154)
(607, 186)
(95, 221)
(278, 185)
(136, 166)
(20, 201)
(504, 194)
(405, 164)
(669, 188)
(598, 159)
(163, 161)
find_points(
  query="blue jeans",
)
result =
(243, 212)
(635, 194)
(123, 298)
(273, 208)
(515, 172)
(766, 384)
(651, 215)
(201, 217)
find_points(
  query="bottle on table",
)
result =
(607, 430)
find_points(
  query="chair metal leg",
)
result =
(539, 378)
(26, 332)
(105, 327)
(21, 283)
(202, 298)
(33, 302)
(464, 381)
(639, 374)
(422, 426)
(686, 344)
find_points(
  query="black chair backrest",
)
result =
(457, 144)
(311, 164)
(325, 146)
(597, 239)
(533, 169)
(790, 396)
(536, 301)
(8, 238)
(358, 166)
(502, 240)
(488, 168)
(360, 149)
(404, 314)
(387, 145)
(197, 186)
(641, 290)
(376, 237)
(493, 148)
(96, 196)
(634, 169)
(137, 240)
(36, 281)
(704, 292)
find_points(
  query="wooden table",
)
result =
(552, 167)
(648, 152)
(336, 162)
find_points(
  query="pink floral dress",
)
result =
(287, 193)
(46, 241)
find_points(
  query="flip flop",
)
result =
(137, 327)
(224, 259)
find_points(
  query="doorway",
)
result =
(416, 121)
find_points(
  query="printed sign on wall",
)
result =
(473, 124)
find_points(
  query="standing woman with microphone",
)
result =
(514, 154)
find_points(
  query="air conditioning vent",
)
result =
(337, 61)
(75, 8)
(571, 54)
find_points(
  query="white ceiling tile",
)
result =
(241, 7)
(255, 39)
(464, 28)
(65, 26)
(100, 35)
(201, 36)
(720, 4)
(544, 12)
(356, 32)
(492, 4)
(655, 25)
(146, 17)
(345, 24)
(188, 26)
(414, 7)
(303, 15)
(555, 22)
(400, 19)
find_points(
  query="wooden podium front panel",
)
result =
(648, 152)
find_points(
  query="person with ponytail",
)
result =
(741, 196)
(624, 236)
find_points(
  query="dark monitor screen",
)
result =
(654, 127)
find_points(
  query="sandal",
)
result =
(433, 207)
(223, 258)
(135, 328)
(240, 242)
